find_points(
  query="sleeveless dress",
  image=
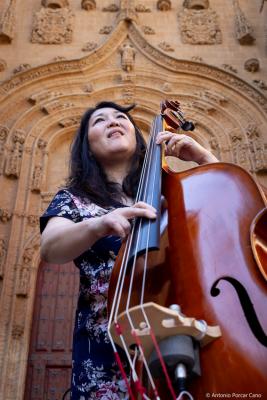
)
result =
(95, 374)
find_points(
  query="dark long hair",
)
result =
(88, 179)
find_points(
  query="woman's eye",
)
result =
(98, 120)
(121, 116)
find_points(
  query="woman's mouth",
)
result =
(115, 133)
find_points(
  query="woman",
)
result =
(87, 221)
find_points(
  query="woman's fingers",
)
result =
(139, 209)
(117, 222)
(164, 136)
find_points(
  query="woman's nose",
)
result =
(113, 122)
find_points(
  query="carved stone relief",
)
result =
(3, 65)
(229, 68)
(88, 5)
(142, 8)
(128, 94)
(111, 8)
(70, 121)
(165, 46)
(55, 3)
(215, 147)
(5, 215)
(24, 269)
(166, 87)
(252, 65)
(90, 46)
(4, 131)
(17, 332)
(14, 156)
(164, 5)
(256, 149)
(21, 68)
(196, 4)
(3, 251)
(88, 88)
(260, 84)
(43, 95)
(37, 175)
(197, 58)
(202, 106)
(33, 220)
(212, 97)
(37, 178)
(240, 151)
(59, 58)
(53, 26)
(127, 52)
(7, 23)
(55, 106)
(148, 30)
(106, 30)
(243, 30)
(199, 27)
(127, 11)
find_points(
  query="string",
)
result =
(185, 393)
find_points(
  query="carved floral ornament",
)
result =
(252, 65)
(148, 30)
(142, 8)
(89, 46)
(5, 215)
(106, 30)
(55, 3)
(164, 5)
(88, 5)
(111, 8)
(3, 132)
(196, 4)
(21, 68)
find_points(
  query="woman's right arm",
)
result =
(64, 240)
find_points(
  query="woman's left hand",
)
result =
(185, 148)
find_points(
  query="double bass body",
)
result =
(211, 209)
(206, 265)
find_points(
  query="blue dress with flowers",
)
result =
(95, 374)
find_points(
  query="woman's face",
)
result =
(111, 135)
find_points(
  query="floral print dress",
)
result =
(95, 374)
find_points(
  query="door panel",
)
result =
(49, 365)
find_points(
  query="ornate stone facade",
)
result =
(41, 106)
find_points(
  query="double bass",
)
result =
(187, 297)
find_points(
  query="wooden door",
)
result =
(49, 365)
